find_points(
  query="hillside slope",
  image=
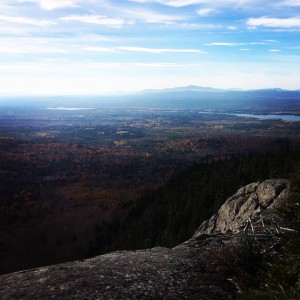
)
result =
(214, 264)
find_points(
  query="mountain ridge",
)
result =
(196, 88)
(189, 88)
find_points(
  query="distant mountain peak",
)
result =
(189, 88)
(195, 88)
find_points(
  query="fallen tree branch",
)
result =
(287, 229)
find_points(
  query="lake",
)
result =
(270, 116)
(262, 117)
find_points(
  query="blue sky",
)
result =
(66, 47)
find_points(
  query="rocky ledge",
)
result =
(251, 201)
(184, 272)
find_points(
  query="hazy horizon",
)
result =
(142, 91)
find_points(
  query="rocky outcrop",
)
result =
(158, 273)
(250, 201)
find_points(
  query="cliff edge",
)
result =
(187, 271)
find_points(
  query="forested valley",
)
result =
(171, 214)
(78, 184)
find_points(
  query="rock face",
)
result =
(249, 201)
(158, 273)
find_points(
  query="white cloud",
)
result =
(52, 4)
(229, 44)
(291, 3)
(24, 46)
(224, 44)
(149, 16)
(28, 21)
(158, 65)
(94, 38)
(141, 49)
(13, 31)
(5, 7)
(274, 22)
(274, 50)
(29, 50)
(182, 3)
(204, 12)
(156, 50)
(30, 45)
(219, 5)
(215, 3)
(95, 19)
(194, 26)
(98, 49)
(136, 13)
(256, 43)
(174, 3)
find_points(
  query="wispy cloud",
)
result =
(52, 4)
(81, 44)
(230, 44)
(6, 7)
(291, 3)
(174, 3)
(182, 3)
(219, 3)
(271, 41)
(95, 19)
(88, 38)
(231, 27)
(256, 43)
(274, 50)
(150, 16)
(224, 44)
(141, 49)
(27, 21)
(222, 5)
(157, 50)
(274, 22)
(204, 12)
(201, 26)
(30, 46)
(43, 46)
(58, 46)
(99, 49)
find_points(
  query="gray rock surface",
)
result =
(247, 203)
(158, 273)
